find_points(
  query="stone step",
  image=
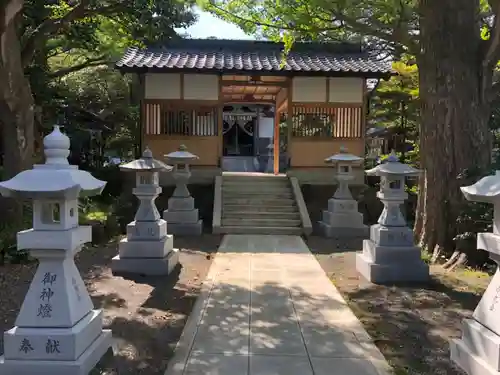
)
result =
(253, 176)
(293, 231)
(245, 183)
(257, 201)
(256, 195)
(258, 208)
(252, 187)
(260, 222)
(243, 215)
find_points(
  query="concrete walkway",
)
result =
(267, 308)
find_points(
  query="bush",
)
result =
(114, 182)
(8, 238)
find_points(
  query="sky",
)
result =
(209, 25)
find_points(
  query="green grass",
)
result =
(96, 216)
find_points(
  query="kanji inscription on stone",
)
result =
(25, 346)
(49, 278)
(495, 300)
(52, 346)
(44, 310)
(46, 294)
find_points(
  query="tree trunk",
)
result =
(16, 112)
(454, 134)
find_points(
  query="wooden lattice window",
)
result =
(166, 120)
(319, 122)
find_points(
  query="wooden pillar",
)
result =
(289, 119)
(220, 119)
(276, 148)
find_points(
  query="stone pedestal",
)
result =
(342, 221)
(148, 249)
(57, 330)
(181, 215)
(390, 256)
(477, 352)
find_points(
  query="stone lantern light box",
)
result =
(390, 256)
(148, 249)
(342, 219)
(478, 350)
(57, 330)
(181, 214)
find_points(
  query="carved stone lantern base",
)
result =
(182, 217)
(147, 250)
(389, 256)
(80, 366)
(343, 222)
(478, 351)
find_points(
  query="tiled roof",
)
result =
(254, 56)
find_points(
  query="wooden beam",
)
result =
(282, 106)
(229, 101)
(253, 84)
(327, 105)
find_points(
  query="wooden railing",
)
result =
(327, 122)
(167, 119)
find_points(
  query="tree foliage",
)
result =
(56, 61)
(456, 44)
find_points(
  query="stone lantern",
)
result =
(57, 330)
(270, 158)
(342, 219)
(148, 249)
(390, 255)
(182, 217)
(478, 351)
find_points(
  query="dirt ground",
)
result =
(411, 325)
(146, 315)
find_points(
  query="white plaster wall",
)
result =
(309, 89)
(201, 87)
(162, 86)
(346, 90)
(266, 127)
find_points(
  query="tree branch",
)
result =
(96, 61)
(53, 25)
(49, 26)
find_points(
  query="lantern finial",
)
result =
(392, 158)
(56, 147)
(147, 154)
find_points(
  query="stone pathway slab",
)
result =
(268, 308)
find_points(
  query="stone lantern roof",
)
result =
(486, 189)
(393, 167)
(181, 155)
(146, 163)
(344, 157)
(55, 177)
